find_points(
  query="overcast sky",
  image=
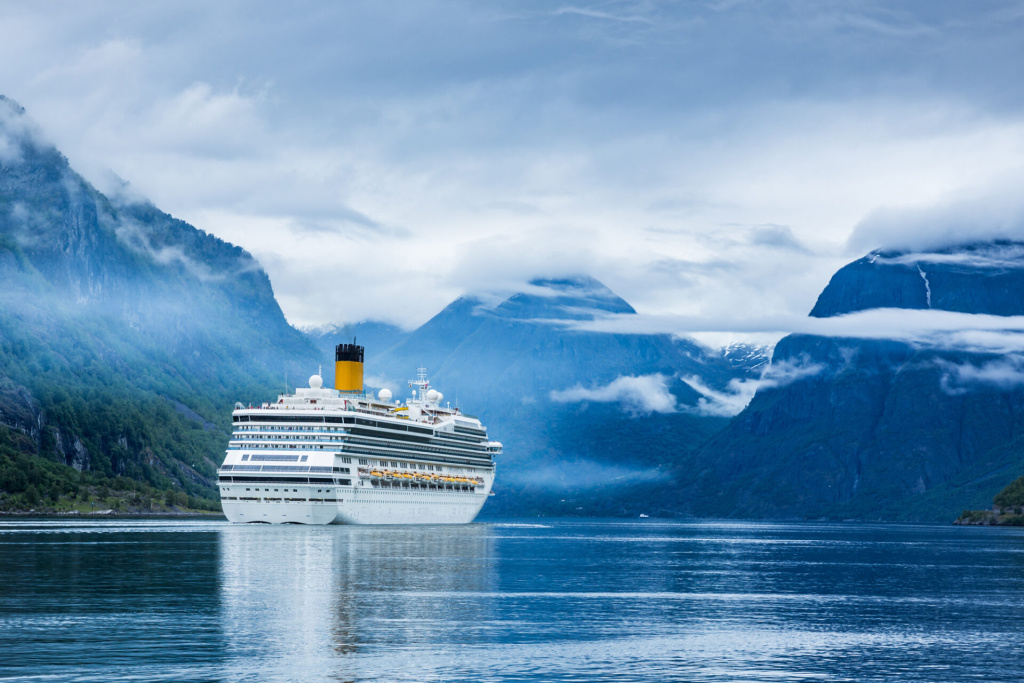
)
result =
(703, 159)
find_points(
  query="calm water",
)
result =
(510, 601)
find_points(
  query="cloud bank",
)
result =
(994, 213)
(927, 328)
(638, 395)
(740, 392)
(448, 148)
(1006, 373)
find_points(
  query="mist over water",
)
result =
(512, 600)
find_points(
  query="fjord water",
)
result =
(537, 600)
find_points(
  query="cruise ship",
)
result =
(347, 456)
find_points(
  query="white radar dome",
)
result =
(433, 396)
(384, 395)
(316, 381)
(440, 397)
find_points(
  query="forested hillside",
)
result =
(125, 337)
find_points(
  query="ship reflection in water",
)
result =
(522, 600)
(301, 602)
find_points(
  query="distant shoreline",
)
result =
(994, 517)
(108, 514)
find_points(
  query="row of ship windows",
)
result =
(378, 452)
(281, 428)
(308, 444)
(266, 457)
(473, 453)
(287, 500)
(277, 434)
(284, 468)
(414, 466)
(228, 488)
(471, 437)
(393, 464)
(280, 437)
(235, 446)
(336, 420)
(460, 437)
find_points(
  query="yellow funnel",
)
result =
(348, 367)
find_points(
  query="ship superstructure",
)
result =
(345, 456)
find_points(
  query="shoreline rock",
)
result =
(995, 517)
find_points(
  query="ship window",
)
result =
(303, 458)
(245, 456)
(247, 489)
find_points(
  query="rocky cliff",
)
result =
(875, 429)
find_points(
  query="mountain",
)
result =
(590, 421)
(376, 337)
(877, 429)
(126, 335)
(975, 278)
(749, 357)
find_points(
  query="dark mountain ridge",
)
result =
(975, 278)
(125, 334)
(880, 429)
(581, 414)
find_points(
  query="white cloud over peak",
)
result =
(429, 150)
(994, 212)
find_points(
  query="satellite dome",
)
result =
(384, 395)
(440, 397)
(433, 396)
(316, 381)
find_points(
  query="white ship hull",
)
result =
(356, 506)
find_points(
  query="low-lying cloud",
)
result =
(930, 328)
(135, 237)
(574, 475)
(991, 256)
(739, 392)
(1004, 373)
(638, 395)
